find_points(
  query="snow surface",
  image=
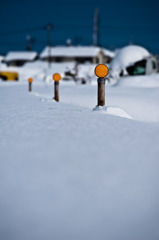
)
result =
(68, 172)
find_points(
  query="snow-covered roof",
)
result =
(79, 51)
(1, 58)
(126, 56)
(108, 52)
(21, 56)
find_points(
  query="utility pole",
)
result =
(29, 42)
(49, 28)
(96, 28)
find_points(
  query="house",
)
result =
(79, 54)
(20, 58)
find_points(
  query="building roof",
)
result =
(108, 52)
(71, 51)
(1, 58)
(21, 56)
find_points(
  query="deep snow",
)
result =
(68, 172)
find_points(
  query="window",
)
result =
(139, 68)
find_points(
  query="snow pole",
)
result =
(56, 77)
(30, 80)
(101, 72)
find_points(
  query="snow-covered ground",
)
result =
(68, 172)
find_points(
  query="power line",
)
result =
(21, 31)
(103, 27)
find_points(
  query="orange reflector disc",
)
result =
(101, 70)
(30, 80)
(56, 77)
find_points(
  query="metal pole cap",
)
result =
(101, 80)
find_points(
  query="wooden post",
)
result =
(101, 72)
(101, 91)
(56, 77)
(56, 91)
(30, 80)
(30, 86)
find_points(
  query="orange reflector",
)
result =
(101, 71)
(30, 80)
(56, 77)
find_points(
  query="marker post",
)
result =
(56, 77)
(30, 80)
(101, 72)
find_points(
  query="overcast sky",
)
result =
(121, 22)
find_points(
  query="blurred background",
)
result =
(115, 23)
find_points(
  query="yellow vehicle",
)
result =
(9, 76)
